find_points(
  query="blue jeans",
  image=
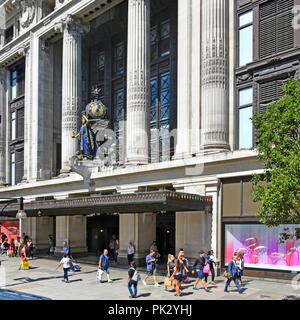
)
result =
(66, 274)
(134, 284)
(235, 279)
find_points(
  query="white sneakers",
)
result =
(155, 285)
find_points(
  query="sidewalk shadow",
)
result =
(143, 295)
(291, 298)
(76, 280)
(186, 287)
(186, 293)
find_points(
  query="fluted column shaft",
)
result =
(214, 75)
(138, 87)
(71, 89)
(3, 90)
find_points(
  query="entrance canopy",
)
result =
(141, 202)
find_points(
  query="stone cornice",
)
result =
(75, 7)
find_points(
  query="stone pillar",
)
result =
(38, 229)
(138, 87)
(192, 232)
(46, 111)
(27, 53)
(214, 77)
(213, 191)
(183, 146)
(72, 29)
(73, 230)
(3, 94)
(140, 229)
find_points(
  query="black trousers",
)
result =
(130, 258)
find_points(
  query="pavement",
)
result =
(43, 282)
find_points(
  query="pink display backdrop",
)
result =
(262, 247)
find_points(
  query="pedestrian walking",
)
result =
(151, 263)
(116, 252)
(66, 263)
(66, 249)
(177, 276)
(212, 262)
(241, 266)
(111, 247)
(23, 248)
(199, 266)
(169, 272)
(3, 236)
(184, 263)
(11, 249)
(130, 253)
(104, 264)
(24, 262)
(29, 249)
(132, 280)
(17, 246)
(233, 273)
(51, 248)
(185, 270)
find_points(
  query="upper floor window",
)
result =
(9, 34)
(100, 65)
(119, 59)
(276, 33)
(245, 38)
(245, 112)
(13, 84)
(160, 40)
(17, 82)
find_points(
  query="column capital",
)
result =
(72, 23)
(24, 50)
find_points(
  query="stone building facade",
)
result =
(180, 79)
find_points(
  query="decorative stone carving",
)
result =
(27, 12)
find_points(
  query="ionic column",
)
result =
(71, 87)
(3, 90)
(138, 87)
(214, 77)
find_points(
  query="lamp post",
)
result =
(21, 214)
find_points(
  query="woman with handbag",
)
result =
(169, 272)
(199, 266)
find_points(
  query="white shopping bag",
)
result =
(99, 274)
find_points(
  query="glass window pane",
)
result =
(245, 18)
(245, 96)
(13, 169)
(245, 128)
(13, 126)
(245, 45)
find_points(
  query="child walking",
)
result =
(66, 263)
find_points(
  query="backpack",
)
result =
(136, 276)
